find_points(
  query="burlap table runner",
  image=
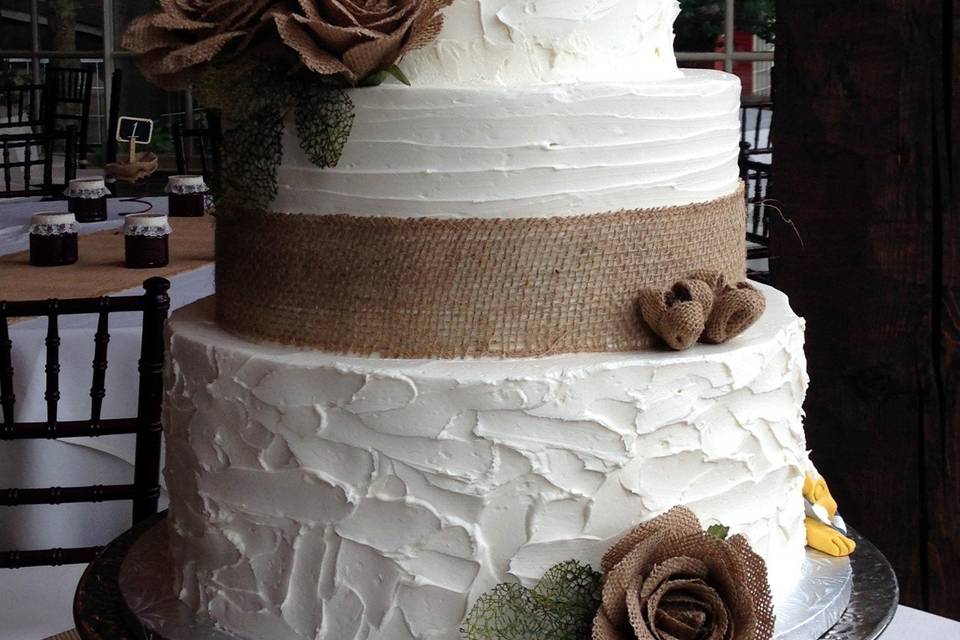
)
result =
(100, 269)
(448, 288)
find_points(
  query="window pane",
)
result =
(755, 22)
(15, 71)
(71, 25)
(15, 25)
(700, 26)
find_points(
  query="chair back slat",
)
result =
(28, 165)
(47, 557)
(101, 340)
(36, 150)
(7, 397)
(69, 429)
(52, 367)
(7, 177)
(67, 90)
(150, 399)
(202, 143)
(144, 492)
(67, 495)
(20, 106)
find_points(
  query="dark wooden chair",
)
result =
(116, 94)
(145, 490)
(21, 106)
(21, 154)
(757, 177)
(67, 96)
(200, 143)
(756, 138)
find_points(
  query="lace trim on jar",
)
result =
(151, 231)
(54, 229)
(184, 189)
(87, 194)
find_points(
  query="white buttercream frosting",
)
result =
(523, 42)
(319, 496)
(527, 152)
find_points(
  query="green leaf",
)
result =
(398, 73)
(374, 79)
(718, 531)
(324, 121)
(561, 607)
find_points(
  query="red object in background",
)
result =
(742, 41)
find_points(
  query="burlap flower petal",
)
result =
(677, 605)
(181, 22)
(143, 36)
(337, 39)
(427, 28)
(203, 51)
(311, 54)
(375, 55)
(678, 520)
(670, 580)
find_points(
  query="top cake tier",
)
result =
(523, 42)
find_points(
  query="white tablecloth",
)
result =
(84, 461)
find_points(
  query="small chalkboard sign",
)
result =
(139, 130)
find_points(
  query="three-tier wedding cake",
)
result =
(427, 370)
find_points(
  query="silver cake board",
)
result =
(836, 598)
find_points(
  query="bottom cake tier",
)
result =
(323, 496)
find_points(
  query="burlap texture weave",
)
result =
(448, 288)
(669, 579)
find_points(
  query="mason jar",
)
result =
(87, 199)
(188, 196)
(53, 239)
(146, 238)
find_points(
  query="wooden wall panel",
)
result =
(864, 170)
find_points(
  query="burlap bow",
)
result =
(704, 307)
(670, 580)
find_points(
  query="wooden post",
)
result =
(866, 167)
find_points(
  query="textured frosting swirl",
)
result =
(540, 151)
(316, 496)
(523, 42)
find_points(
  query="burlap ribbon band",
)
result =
(449, 288)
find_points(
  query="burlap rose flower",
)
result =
(184, 34)
(356, 38)
(670, 580)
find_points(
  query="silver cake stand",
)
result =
(835, 600)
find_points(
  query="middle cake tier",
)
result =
(551, 150)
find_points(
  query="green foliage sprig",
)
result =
(561, 607)
(255, 100)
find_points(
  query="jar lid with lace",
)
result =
(148, 225)
(53, 223)
(184, 184)
(90, 188)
